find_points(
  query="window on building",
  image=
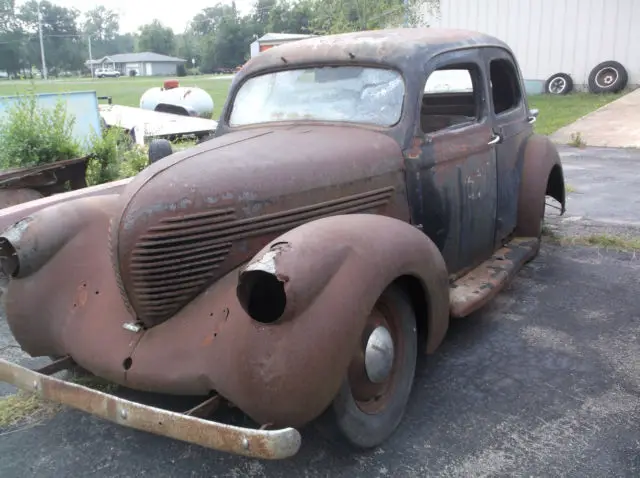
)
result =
(451, 98)
(505, 87)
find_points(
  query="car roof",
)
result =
(400, 47)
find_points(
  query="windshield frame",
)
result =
(230, 102)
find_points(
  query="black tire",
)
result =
(608, 77)
(368, 428)
(558, 84)
(158, 149)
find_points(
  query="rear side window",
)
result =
(505, 87)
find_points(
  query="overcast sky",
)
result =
(134, 13)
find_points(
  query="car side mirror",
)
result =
(533, 115)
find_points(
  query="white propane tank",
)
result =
(173, 98)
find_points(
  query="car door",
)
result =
(512, 125)
(451, 165)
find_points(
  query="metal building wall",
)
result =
(551, 36)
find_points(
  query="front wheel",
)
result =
(372, 400)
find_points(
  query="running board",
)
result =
(473, 290)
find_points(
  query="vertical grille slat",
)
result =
(163, 281)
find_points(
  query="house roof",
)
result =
(283, 36)
(145, 56)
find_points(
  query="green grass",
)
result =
(555, 111)
(607, 241)
(124, 91)
(559, 111)
(22, 407)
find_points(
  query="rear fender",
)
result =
(542, 175)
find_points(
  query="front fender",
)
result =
(542, 174)
(32, 241)
(287, 372)
(12, 214)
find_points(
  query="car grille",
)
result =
(174, 261)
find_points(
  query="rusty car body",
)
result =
(296, 263)
(19, 185)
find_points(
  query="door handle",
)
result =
(495, 140)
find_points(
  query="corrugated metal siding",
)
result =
(551, 36)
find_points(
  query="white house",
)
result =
(273, 39)
(556, 36)
(144, 63)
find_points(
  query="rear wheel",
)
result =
(372, 399)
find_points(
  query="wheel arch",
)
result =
(332, 272)
(382, 249)
(542, 174)
(418, 294)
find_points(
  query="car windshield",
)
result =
(351, 94)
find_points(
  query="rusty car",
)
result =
(22, 184)
(353, 200)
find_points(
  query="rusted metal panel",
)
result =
(47, 178)
(333, 213)
(540, 159)
(405, 48)
(452, 187)
(514, 129)
(11, 197)
(12, 214)
(480, 285)
(276, 374)
(203, 217)
(265, 444)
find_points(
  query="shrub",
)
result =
(31, 135)
(133, 161)
(115, 156)
(133, 72)
(181, 70)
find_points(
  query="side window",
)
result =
(452, 96)
(505, 87)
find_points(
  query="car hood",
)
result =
(195, 215)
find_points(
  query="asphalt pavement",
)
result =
(544, 381)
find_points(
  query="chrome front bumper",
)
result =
(265, 444)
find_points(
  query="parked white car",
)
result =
(107, 73)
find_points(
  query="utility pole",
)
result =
(44, 63)
(90, 55)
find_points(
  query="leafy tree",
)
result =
(62, 40)
(157, 38)
(11, 39)
(101, 23)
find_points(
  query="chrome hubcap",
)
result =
(378, 356)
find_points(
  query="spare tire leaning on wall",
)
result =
(608, 77)
(558, 84)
